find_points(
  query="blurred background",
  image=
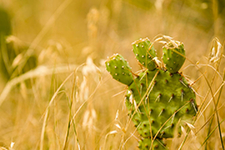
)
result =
(65, 33)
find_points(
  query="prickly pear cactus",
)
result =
(159, 99)
(145, 52)
(123, 74)
(173, 56)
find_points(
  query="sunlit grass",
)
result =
(71, 102)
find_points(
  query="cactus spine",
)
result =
(158, 100)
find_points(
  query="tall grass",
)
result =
(73, 103)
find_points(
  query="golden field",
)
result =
(67, 100)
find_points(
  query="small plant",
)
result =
(159, 99)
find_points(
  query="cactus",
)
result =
(158, 100)
(121, 69)
(145, 53)
(173, 56)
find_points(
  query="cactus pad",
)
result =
(119, 69)
(145, 144)
(173, 56)
(159, 101)
(145, 52)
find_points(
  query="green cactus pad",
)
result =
(145, 144)
(173, 56)
(158, 100)
(145, 53)
(119, 69)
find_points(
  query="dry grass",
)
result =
(71, 102)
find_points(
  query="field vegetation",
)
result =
(55, 92)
